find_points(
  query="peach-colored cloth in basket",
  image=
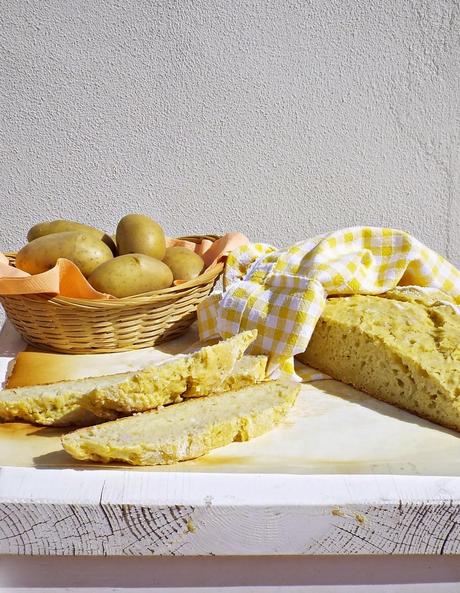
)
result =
(65, 279)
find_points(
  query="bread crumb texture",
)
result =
(89, 401)
(200, 373)
(186, 430)
(57, 404)
(403, 349)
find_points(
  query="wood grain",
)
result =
(144, 514)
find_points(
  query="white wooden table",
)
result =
(378, 512)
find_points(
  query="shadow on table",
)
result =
(348, 393)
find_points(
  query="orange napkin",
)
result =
(65, 279)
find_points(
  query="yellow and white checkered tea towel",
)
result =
(282, 293)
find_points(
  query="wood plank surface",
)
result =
(62, 512)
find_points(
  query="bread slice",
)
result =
(59, 404)
(247, 371)
(403, 349)
(42, 368)
(200, 373)
(185, 430)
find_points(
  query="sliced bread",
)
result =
(200, 373)
(185, 430)
(59, 404)
(247, 371)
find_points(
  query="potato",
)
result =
(184, 263)
(137, 233)
(85, 251)
(61, 226)
(130, 274)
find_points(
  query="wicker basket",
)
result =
(84, 326)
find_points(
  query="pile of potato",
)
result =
(133, 261)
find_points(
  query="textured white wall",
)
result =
(276, 118)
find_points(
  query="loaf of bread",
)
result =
(402, 347)
(200, 373)
(185, 430)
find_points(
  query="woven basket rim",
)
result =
(155, 296)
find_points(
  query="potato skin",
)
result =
(85, 251)
(62, 226)
(138, 233)
(130, 274)
(184, 263)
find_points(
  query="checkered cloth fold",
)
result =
(282, 292)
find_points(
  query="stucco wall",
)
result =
(276, 118)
